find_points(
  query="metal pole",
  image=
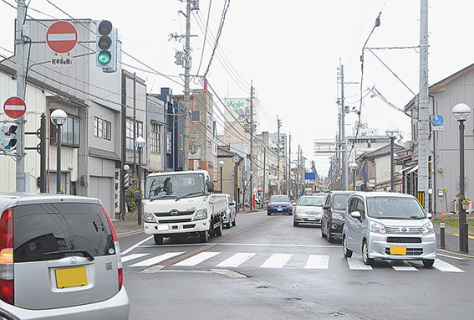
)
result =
(187, 90)
(391, 164)
(278, 155)
(463, 239)
(140, 212)
(43, 154)
(135, 135)
(58, 158)
(251, 147)
(236, 195)
(20, 92)
(221, 179)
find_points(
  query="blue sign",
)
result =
(437, 120)
(310, 175)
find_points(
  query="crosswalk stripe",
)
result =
(133, 256)
(157, 259)
(197, 259)
(317, 262)
(402, 266)
(276, 261)
(357, 264)
(236, 260)
(445, 267)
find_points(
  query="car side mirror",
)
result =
(326, 207)
(355, 214)
(210, 186)
(232, 203)
(429, 215)
(293, 203)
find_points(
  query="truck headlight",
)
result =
(337, 216)
(200, 214)
(428, 228)
(377, 227)
(149, 217)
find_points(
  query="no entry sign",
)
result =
(61, 37)
(14, 107)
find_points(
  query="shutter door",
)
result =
(102, 188)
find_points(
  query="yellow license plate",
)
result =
(71, 277)
(398, 250)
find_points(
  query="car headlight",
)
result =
(200, 214)
(428, 228)
(377, 227)
(337, 216)
(149, 217)
(299, 211)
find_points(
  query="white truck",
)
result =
(181, 204)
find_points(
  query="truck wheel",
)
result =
(158, 239)
(203, 236)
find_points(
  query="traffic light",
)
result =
(8, 137)
(106, 46)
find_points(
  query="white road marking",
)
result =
(445, 267)
(136, 245)
(402, 266)
(197, 259)
(157, 259)
(357, 264)
(133, 256)
(236, 260)
(276, 261)
(317, 262)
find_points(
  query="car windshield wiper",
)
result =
(190, 194)
(84, 252)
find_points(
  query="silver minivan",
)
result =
(59, 259)
(390, 226)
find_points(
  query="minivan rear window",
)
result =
(51, 231)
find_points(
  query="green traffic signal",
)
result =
(104, 57)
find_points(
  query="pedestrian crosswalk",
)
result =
(211, 259)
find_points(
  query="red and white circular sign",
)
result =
(14, 107)
(61, 37)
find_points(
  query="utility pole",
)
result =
(278, 154)
(262, 200)
(20, 92)
(251, 147)
(342, 137)
(289, 164)
(187, 91)
(423, 104)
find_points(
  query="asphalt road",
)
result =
(264, 268)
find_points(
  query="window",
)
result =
(181, 142)
(155, 138)
(168, 142)
(195, 116)
(102, 128)
(130, 139)
(69, 132)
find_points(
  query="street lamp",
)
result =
(392, 133)
(354, 167)
(221, 164)
(140, 143)
(461, 113)
(58, 117)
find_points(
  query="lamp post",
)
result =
(140, 143)
(58, 117)
(461, 113)
(392, 133)
(221, 164)
(354, 167)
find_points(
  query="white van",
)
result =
(390, 226)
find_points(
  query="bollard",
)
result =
(442, 235)
(466, 238)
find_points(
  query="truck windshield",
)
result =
(173, 185)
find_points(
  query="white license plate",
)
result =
(163, 227)
(312, 218)
(279, 209)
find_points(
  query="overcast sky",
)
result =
(290, 50)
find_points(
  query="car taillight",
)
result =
(6, 256)
(117, 250)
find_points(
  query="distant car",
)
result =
(334, 213)
(228, 218)
(390, 226)
(279, 204)
(309, 210)
(59, 259)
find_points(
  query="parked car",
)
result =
(389, 226)
(309, 210)
(334, 213)
(228, 218)
(279, 203)
(59, 259)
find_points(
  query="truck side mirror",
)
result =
(210, 186)
(136, 196)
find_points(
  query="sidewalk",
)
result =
(452, 242)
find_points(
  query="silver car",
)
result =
(59, 259)
(390, 226)
(228, 218)
(309, 209)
